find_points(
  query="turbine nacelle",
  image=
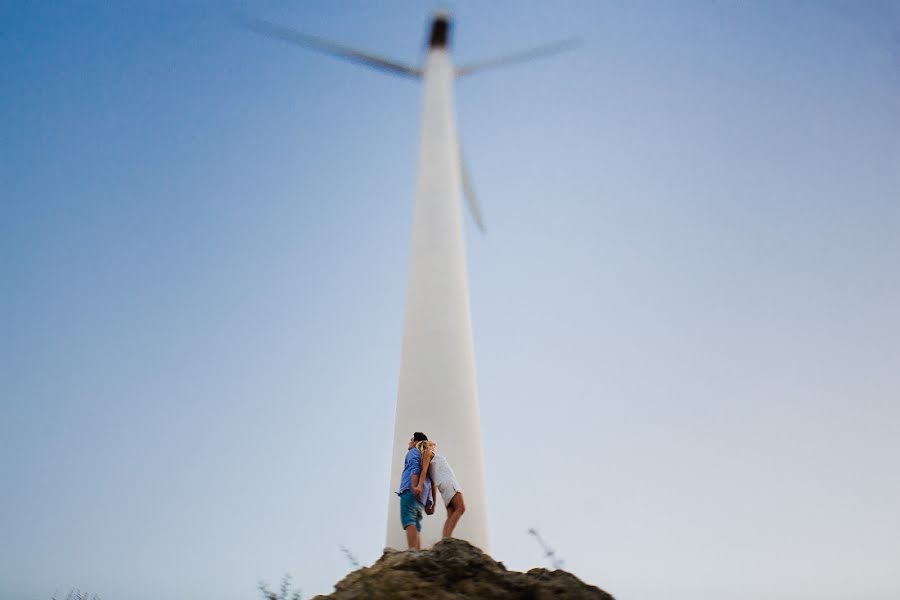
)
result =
(440, 31)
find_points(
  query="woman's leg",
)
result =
(455, 510)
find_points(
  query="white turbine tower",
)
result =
(437, 390)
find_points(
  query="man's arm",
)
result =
(414, 482)
(415, 464)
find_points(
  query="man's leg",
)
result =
(410, 519)
(412, 537)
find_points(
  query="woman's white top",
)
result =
(444, 478)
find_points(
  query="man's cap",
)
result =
(419, 436)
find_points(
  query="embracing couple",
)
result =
(423, 470)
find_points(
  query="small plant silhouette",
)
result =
(284, 592)
(351, 558)
(549, 552)
(76, 594)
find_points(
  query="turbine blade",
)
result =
(280, 32)
(519, 57)
(469, 192)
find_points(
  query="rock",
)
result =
(452, 570)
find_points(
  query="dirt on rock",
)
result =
(454, 569)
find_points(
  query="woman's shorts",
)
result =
(411, 511)
(448, 490)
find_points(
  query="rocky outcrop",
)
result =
(452, 570)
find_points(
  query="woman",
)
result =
(442, 478)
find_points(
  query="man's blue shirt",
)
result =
(412, 465)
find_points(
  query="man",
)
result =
(411, 507)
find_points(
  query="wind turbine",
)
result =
(437, 390)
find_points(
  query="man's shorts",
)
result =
(411, 511)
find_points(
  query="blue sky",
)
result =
(685, 308)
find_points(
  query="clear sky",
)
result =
(685, 309)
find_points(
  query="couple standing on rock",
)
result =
(423, 470)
